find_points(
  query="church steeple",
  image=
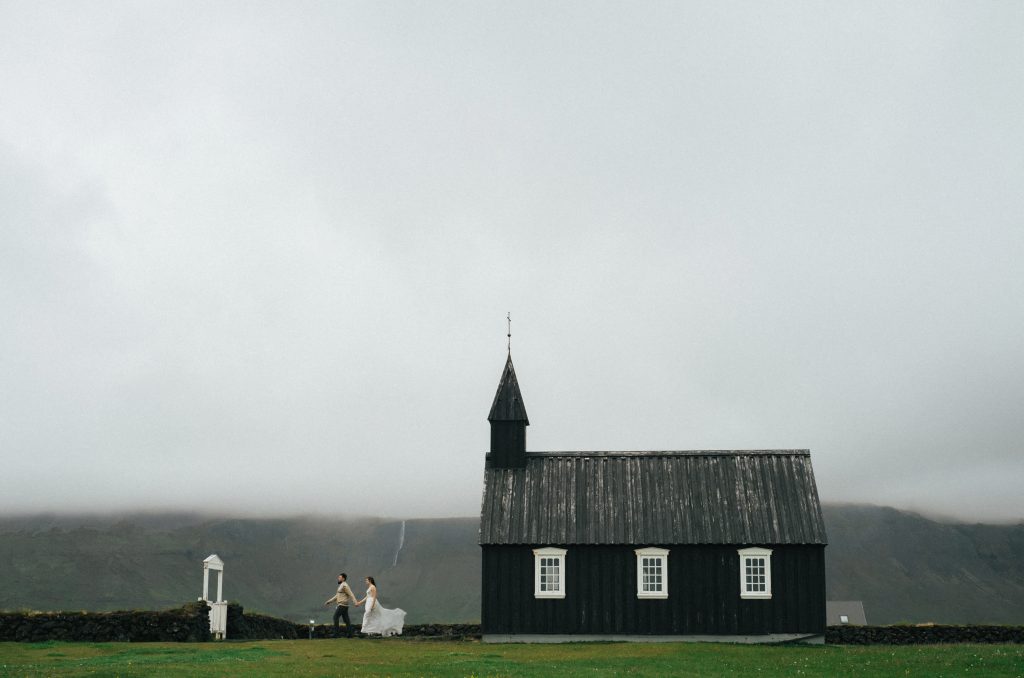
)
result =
(508, 401)
(508, 422)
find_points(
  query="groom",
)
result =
(343, 597)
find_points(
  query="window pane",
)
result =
(651, 576)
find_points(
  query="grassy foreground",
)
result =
(412, 658)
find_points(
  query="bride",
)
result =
(377, 619)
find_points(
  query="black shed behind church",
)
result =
(703, 545)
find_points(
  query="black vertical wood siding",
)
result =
(704, 593)
(508, 445)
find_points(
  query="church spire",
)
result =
(508, 419)
(508, 400)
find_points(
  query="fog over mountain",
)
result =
(256, 257)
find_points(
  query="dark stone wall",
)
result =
(243, 626)
(420, 631)
(922, 635)
(190, 623)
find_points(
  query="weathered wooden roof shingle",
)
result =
(693, 497)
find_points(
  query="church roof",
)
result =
(740, 497)
(508, 401)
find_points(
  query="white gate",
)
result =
(218, 607)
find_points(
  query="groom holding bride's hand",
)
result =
(343, 597)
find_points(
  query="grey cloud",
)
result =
(257, 251)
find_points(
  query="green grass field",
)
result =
(418, 658)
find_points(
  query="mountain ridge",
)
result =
(903, 565)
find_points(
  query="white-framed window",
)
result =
(651, 573)
(755, 573)
(549, 573)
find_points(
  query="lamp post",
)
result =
(311, 622)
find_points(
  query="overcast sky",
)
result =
(258, 256)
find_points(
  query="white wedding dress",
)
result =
(381, 620)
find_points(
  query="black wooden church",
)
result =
(699, 545)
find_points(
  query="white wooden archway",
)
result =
(218, 607)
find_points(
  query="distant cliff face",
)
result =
(908, 568)
(284, 567)
(904, 567)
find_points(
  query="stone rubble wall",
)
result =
(250, 626)
(421, 631)
(924, 634)
(247, 626)
(189, 623)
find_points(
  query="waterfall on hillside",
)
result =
(401, 543)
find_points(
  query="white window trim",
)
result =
(549, 552)
(756, 552)
(651, 552)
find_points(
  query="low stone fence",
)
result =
(247, 626)
(242, 626)
(189, 623)
(443, 631)
(925, 634)
(419, 631)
